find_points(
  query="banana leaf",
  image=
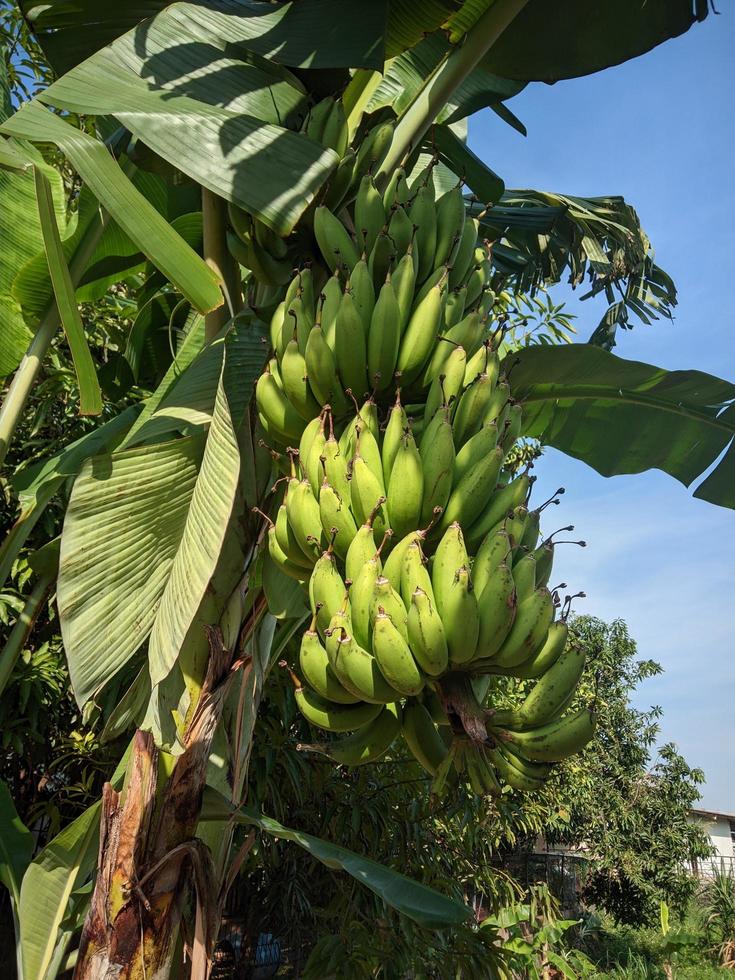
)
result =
(626, 416)
(16, 850)
(422, 904)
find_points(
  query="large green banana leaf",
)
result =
(422, 904)
(626, 417)
(16, 850)
(144, 527)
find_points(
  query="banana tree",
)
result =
(216, 131)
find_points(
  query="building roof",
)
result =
(713, 814)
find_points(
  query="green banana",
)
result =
(422, 737)
(529, 631)
(295, 383)
(366, 492)
(334, 241)
(494, 549)
(331, 299)
(404, 281)
(372, 149)
(420, 335)
(326, 590)
(297, 322)
(317, 671)
(414, 574)
(551, 743)
(384, 338)
(545, 657)
(400, 230)
(287, 542)
(350, 347)
(367, 744)
(422, 213)
(321, 371)
(336, 467)
(333, 717)
(512, 775)
(370, 214)
(461, 618)
(502, 503)
(553, 690)
(282, 561)
(281, 418)
(362, 548)
(426, 636)
(477, 448)
(465, 253)
(450, 220)
(397, 425)
(450, 556)
(302, 509)
(497, 604)
(388, 601)
(360, 286)
(311, 456)
(394, 656)
(393, 566)
(406, 487)
(473, 490)
(437, 460)
(447, 386)
(472, 408)
(359, 673)
(454, 308)
(524, 576)
(381, 259)
(467, 333)
(336, 516)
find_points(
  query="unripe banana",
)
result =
(544, 555)
(384, 338)
(331, 300)
(395, 190)
(297, 322)
(358, 672)
(494, 549)
(360, 285)
(422, 737)
(437, 461)
(497, 605)
(524, 576)
(321, 370)
(454, 308)
(450, 556)
(317, 671)
(311, 457)
(473, 490)
(367, 744)
(295, 383)
(373, 149)
(544, 658)
(335, 135)
(350, 347)
(446, 388)
(467, 333)
(381, 258)
(556, 741)
(336, 467)
(366, 492)
(422, 213)
(276, 326)
(450, 220)
(302, 509)
(461, 618)
(472, 408)
(400, 230)
(388, 601)
(334, 241)
(340, 181)
(367, 447)
(531, 532)
(404, 281)
(281, 560)
(420, 335)
(406, 487)
(503, 502)
(334, 717)
(281, 418)
(370, 214)
(512, 775)
(426, 636)
(393, 566)
(478, 447)
(326, 591)
(512, 426)
(289, 545)
(414, 574)
(397, 425)
(554, 690)
(336, 515)
(394, 657)
(316, 120)
(465, 253)
(529, 631)
(477, 282)
(310, 433)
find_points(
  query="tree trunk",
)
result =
(150, 864)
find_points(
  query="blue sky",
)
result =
(660, 130)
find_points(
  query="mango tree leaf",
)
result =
(123, 526)
(212, 501)
(626, 417)
(547, 42)
(128, 207)
(422, 904)
(90, 396)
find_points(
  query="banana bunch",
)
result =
(271, 259)
(400, 510)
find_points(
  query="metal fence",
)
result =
(712, 866)
(563, 873)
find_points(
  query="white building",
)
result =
(720, 828)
